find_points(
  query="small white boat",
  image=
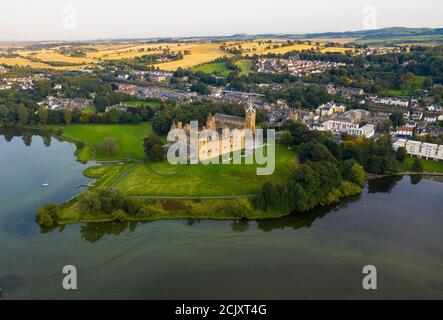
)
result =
(45, 185)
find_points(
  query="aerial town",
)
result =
(150, 162)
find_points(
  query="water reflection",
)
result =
(26, 135)
(383, 185)
(94, 232)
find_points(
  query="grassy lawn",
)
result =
(164, 179)
(428, 165)
(396, 93)
(152, 104)
(129, 138)
(246, 66)
(214, 67)
(89, 111)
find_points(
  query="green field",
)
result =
(428, 165)
(152, 104)
(419, 80)
(246, 66)
(402, 40)
(89, 111)
(129, 139)
(164, 179)
(219, 68)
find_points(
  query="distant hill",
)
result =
(385, 33)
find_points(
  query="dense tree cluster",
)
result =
(153, 147)
(328, 171)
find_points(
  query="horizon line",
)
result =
(122, 38)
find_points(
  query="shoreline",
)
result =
(165, 207)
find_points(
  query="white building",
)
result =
(400, 143)
(351, 128)
(339, 126)
(422, 150)
(413, 147)
(429, 150)
(404, 132)
(367, 131)
(440, 153)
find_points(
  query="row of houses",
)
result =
(353, 129)
(294, 65)
(152, 76)
(420, 149)
(390, 101)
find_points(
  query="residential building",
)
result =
(404, 132)
(400, 143)
(367, 131)
(413, 147)
(429, 150)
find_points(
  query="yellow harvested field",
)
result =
(335, 49)
(53, 55)
(334, 40)
(200, 53)
(116, 52)
(263, 48)
(285, 49)
(21, 62)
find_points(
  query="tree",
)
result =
(84, 118)
(47, 215)
(201, 88)
(4, 113)
(287, 138)
(417, 166)
(113, 116)
(334, 148)
(357, 174)
(43, 115)
(89, 202)
(314, 152)
(401, 154)
(397, 119)
(67, 116)
(109, 146)
(136, 119)
(157, 153)
(153, 148)
(23, 114)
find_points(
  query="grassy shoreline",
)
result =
(107, 175)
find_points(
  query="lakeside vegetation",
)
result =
(311, 170)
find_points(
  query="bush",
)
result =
(101, 201)
(417, 166)
(401, 154)
(47, 216)
(119, 215)
(109, 146)
(132, 206)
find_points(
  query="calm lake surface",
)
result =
(395, 225)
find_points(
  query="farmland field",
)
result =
(66, 57)
(246, 66)
(200, 53)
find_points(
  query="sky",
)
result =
(44, 20)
